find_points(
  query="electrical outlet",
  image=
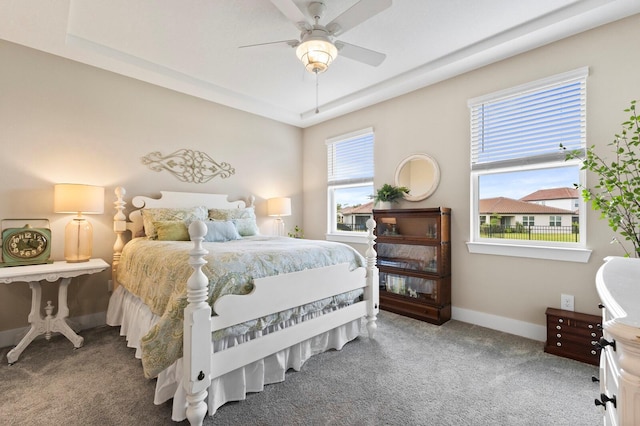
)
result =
(566, 302)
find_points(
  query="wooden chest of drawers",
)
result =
(573, 335)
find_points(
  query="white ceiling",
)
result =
(192, 46)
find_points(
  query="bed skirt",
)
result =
(135, 319)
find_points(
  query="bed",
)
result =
(203, 304)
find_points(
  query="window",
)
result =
(518, 166)
(350, 184)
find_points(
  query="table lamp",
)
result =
(78, 234)
(279, 207)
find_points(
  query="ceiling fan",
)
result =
(317, 46)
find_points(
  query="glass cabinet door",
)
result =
(398, 226)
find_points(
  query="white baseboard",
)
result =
(495, 322)
(12, 337)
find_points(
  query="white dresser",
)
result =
(618, 285)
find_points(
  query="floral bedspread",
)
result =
(157, 273)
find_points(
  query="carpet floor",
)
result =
(413, 373)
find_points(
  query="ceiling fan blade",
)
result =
(360, 54)
(289, 9)
(357, 14)
(292, 43)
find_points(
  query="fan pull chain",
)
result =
(317, 110)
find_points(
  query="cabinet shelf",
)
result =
(414, 262)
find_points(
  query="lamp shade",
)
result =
(279, 206)
(316, 53)
(77, 198)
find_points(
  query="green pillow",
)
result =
(162, 214)
(171, 230)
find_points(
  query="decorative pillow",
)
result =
(171, 230)
(244, 219)
(221, 231)
(230, 214)
(246, 227)
(186, 215)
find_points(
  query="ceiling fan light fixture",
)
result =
(316, 54)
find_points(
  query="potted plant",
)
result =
(388, 194)
(297, 232)
(617, 193)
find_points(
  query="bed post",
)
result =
(197, 331)
(372, 291)
(119, 227)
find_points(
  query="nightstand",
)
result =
(34, 274)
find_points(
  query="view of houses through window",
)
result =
(354, 209)
(541, 205)
(350, 181)
(522, 187)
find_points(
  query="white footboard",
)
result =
(201, 365)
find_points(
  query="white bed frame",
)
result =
(200, 364)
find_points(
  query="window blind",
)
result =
(528, 125)
(350, 158)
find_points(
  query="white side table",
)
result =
(48, 324)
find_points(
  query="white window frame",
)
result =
(332, 233)
(573, 252)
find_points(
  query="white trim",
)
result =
(348, 237)
(565, 254)
(504, 324)
(532, 85)
(350, 135)
(9, 338)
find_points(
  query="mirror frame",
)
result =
(434, 184)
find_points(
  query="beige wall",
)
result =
(435, 120)
(62, 121)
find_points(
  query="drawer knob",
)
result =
(604, 399)
(558, 327)
(600, 305)
(594, 379)
(560, 320)
(603, 343)
(558, 343)
(594, 335)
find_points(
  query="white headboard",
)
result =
(167, 199)
(177, 200)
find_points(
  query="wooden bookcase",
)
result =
(414, 260)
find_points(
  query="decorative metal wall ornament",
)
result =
(188, 165)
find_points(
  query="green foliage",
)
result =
(617, 193)
(390, 193)
(296, 233)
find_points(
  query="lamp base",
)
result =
(278, 227)
(78, 241)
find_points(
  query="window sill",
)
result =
(352, 237)
(564, 254)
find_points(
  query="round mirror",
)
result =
(421, 174)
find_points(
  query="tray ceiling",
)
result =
(192, 46)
